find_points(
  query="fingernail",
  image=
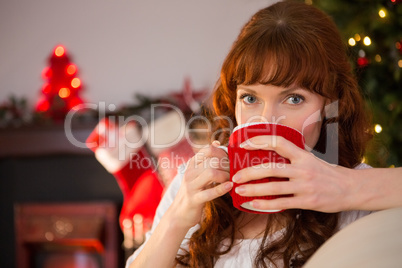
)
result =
(228, 185)
(236, 178)
(254, 204)
(242, 145)
(216, 143)
(240, 190)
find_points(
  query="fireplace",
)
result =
(49, 186)
(79, 235)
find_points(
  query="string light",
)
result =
(377, 58)
(352, 42)
(64, 92)
(382, 13)
(59, 51)
(47, 89)
(362, 62)
(75, 103)
(378, 128)
(43, 106)
(71, 69)
(76, 82)
(47, 73)
(357, 37)
(367, 41)
(400, 63)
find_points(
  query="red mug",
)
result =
(240, 158)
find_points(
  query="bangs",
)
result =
(280, 59)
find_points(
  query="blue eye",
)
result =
(248, 99)
(295, 99)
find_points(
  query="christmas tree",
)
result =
(60, 93)
(372, 30)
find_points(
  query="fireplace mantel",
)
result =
(44, 140)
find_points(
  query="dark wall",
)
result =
(50, 178)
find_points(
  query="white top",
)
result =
(242, 254)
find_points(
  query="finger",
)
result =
(278, 144)
(292, 202)
(213, 150)
(204, 175)
(268, 188)
(209, 152)
(201, 156)
(214, 192)
(217, 150)
(280, 203)
(209, 176)
(264, 170)
(201, 163)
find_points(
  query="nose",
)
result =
(269, 114)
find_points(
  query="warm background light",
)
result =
(64, 92)
(352, 42)
(46, 73)
(71, 69)
(378, 128)
(47, 88)
(357, 37)
(367, 41)
(43, 106)
(59, 51)
(76, 82)
(382, 13)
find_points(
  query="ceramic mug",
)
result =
(240, 158)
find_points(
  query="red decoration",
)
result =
(362, 62)
(398, 46)
(60, 93)
(133, 170)
(189, 100)
(141, 181)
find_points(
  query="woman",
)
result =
(289, 66)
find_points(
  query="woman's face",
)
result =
(294, 107)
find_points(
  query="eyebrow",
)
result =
(248, 89)
(284, 92)
(287, 91)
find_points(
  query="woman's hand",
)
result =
(314, 183)
(206, 178)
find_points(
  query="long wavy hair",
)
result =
(288, 43)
